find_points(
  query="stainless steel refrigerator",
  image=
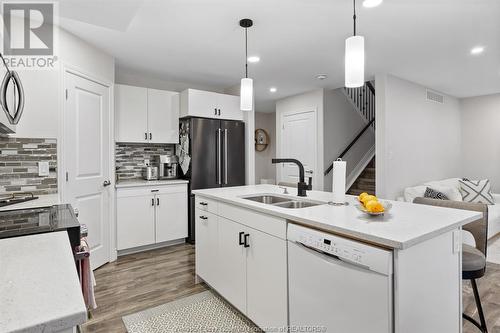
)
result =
(217, 150)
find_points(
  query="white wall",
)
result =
(416, 140)
(312, 100)
(43, 88)
(264, 169)
(480, 138)
(342, 124)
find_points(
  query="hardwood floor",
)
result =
(140, 281)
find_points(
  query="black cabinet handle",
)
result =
(158, 201)
(241, 240)
(152, 201)
(150, 136)
(245, 243)
(203, 203)
(215, 111)
(203, 217)
(145, 136)
(219, 112)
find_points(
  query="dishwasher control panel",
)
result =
(362, 254)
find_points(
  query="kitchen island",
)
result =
(244, 250)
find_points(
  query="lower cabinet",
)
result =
(248, 267)
(147, 215)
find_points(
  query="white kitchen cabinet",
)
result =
(146, 115)
(163, 116)
(199, 103)
(131, 120)
(207, 246)
(266, 272)
(135, 221)
(171, 215)
(151, 215)
(232, 256)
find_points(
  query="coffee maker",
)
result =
(168, 165)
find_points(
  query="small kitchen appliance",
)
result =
(150, 173)
(168, 166)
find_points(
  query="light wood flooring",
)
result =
(140, 281)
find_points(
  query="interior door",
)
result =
(163, 116)
(205, 139)
(298, 140)
(86, 160)
(233, 153)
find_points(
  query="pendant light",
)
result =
(354, 58)
(246, 92)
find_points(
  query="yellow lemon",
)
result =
(374, 206)
(367, 198)
(362, 195)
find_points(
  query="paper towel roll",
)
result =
(338, 181)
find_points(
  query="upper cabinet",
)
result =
(199, 103)
(146, 115)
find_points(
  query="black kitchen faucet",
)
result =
(302, 187)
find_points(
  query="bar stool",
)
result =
(473, 258)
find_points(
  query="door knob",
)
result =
(106, 183)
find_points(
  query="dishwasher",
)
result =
(338, 285)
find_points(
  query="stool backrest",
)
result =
(478, 228)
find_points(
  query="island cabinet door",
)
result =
(135, 221)
(232, 257)
(267, 280)
(207, 246)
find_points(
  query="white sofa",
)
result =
(451, 188)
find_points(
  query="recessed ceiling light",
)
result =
(253, 59)
(477, 50)
(371, 3)
(321, 76)
(273, 89)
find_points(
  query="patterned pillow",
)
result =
(433, 194)
(476, 191)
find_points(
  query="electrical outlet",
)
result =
(146, 162)
(43, 168)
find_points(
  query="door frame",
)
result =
(316, 132)
(75, 70)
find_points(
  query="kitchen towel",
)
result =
(338, 181)
(183, 152)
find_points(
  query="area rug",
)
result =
(203, 312)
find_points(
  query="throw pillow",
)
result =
(433, 194)
(478, 191)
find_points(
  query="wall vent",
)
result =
(435, 97)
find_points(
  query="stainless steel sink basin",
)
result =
(282, 201)
(268, 199)
(297, 204)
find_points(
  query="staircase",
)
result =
(365, 182)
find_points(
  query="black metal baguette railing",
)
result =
(364, 100)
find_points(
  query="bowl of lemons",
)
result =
(371, 205)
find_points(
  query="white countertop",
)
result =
(39, 286)
(142, 182)
(404, 225)
(42, 201)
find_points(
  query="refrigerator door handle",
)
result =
(225, 156)
(219, 153)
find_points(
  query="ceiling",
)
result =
(200, 41)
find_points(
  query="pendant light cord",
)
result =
(246, 52)
(354, 16)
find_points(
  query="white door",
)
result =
(135, 216)
(87, 158)
(131, 121)
(298, 140)
(232, 273)
(163, 116)
(207, 248)
(171, 215)
(267, 280)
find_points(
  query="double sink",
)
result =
(283, 201)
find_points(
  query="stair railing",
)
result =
(363, 99)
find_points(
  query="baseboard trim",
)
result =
(150, 247)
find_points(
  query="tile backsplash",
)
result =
(19, 159)
(130, 158)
